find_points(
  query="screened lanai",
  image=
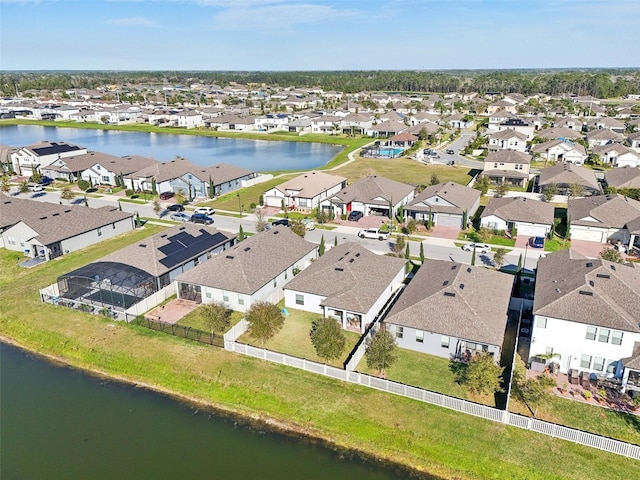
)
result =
(107, 284)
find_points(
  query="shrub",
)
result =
(128, 192)
(83, 184)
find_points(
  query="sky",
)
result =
(318, 34)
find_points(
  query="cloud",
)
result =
(133, 22)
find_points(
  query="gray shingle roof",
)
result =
(590, 291)
(608, 210)
(520, 209)
(565, 174)
(508, 156)
(623, 177)
(463, 198)
(252, 263)
(179, 167)
(311, 184)
(454, 299)
(368, 189)
(349, 276)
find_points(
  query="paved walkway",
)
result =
(172, 311)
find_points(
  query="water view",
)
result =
(258, 155)
(59, 423)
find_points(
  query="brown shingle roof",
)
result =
(508, 156)
(453, 299)
(590, 291)
(462, 198)
(251, 264)
(520, 209)
(623, 177)
(565, 174)
(311, 184)
(179, 167)
(349, 276)
(608, 210)
(370, 189)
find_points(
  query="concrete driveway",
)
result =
(450, 233)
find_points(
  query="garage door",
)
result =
(590, 235)
(532, 230)
(444, 220)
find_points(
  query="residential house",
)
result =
(624, 177)
(559, 133)
(404, 140)
(529, 217)
(617, 155)
(607, 123)
(605, 218)
(498, 117)
(507, 140)
(190, 120)
(386, 129)
(194, 180)
(329, 124)
(634, 140)
(305, 191)
(561, 151)
(356, 124)
(272, 121)
(507, 166)
(348, 283)
(572, 123)
(501, 106)
(45, 230)
(32, 158)
(564, 175)
(457, 120)
(107, 170)
(517, 125)
(254, 270)
(71, 168)
(446, 311)
(370, 195)
(586, 314)
(597, 138)
(447, 204)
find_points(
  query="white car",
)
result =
(479, 247)
(205, 210)
(373, 233)
(36, 188)
(309, 224)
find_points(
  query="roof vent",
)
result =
(230, 257)
(43, 218)
(143, 245)
(586, 292)
(275, 232)
(449, 294)
(613, 267)
(182, 228)
(164, 235)
(351, 260)
(557, 290)
(246, 249)
(445, 283)
(591, 283)
(589, 264)
(603, 275)
(55, 215)
(453, 267)
(339, 269)
(468, 269)
(357, 254)
(462, 286)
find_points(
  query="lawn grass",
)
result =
(500, 240)
(556, 243)
(428, 438)
(294, 338)
(195, 320)
(248, 195)
(129, 200)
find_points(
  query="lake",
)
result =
(257, 155)
(60, 423)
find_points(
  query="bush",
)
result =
(128, 192)
(84, 185)
(252, 205)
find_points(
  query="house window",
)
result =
(299, 299)
(100, 232)
(604, 335)
(11, 240)
(419, 336)
(444, 341)
(275, 282)
(585, 361)
(591, 333)
(616, 338)
(240, 300)
(598, 364)
(207, 294)
(399, 332)
(541, 322)
(225, 297)
(303, 202)
(22, 242)
(105, 179)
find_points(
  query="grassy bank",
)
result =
(445, 443)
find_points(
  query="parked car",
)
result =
(355, 216)
(479, 247)
(43, 180)
(282, 221)
(309, 225)
(176, 207)
(180, 217)
(449, 151)
(166, 195)
(205, 210)
(373, 233)
(536, 242)
(36, 188)
(451, 162)
(201, 218)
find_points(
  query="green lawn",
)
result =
(195, 320)
(469, 236)
(556, 243)
(430, 439)
(248, 195)
(294, 338)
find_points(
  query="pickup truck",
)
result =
(373, 233)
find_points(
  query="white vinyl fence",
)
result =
(426, 396)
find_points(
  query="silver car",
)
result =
(180, 217)
(479, 247)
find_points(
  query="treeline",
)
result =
(598, 83)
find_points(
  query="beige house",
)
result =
(305, 191)
(507, 167)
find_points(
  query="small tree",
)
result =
(241, 235)
(216, 316)
(327, 338)
(531, 391)
(421, 252)
(473, 256)
(180, 197)
(434, 179)
(261, 223)
(156, 207)
(381, 353)
(322, 247)
(549, 191)
(5, 186)
(24, 187)
(399, 246)
(67, 194)
(265, 321)
(84, 185)
(298, 228)
(411, 226)
(484, 234)
(498, 257)
(611, 255)
(483, 375)
(501, 190)
(576, 190)
(482, 183)
(335, 241)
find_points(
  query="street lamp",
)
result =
(239, 204)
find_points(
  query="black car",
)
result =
(449, 151)
(201, 218)
(166, 195)
(355, 216)
(282, 221)
(176, 207)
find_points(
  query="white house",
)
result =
(35, 157)
(561, 151)
(348, 283)
(586, 313)
(190, 120)
(446, 204)
(529, 217)
(617, 155)
(254, 270)
(507, 140)
(604, 218)
(305, 191)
